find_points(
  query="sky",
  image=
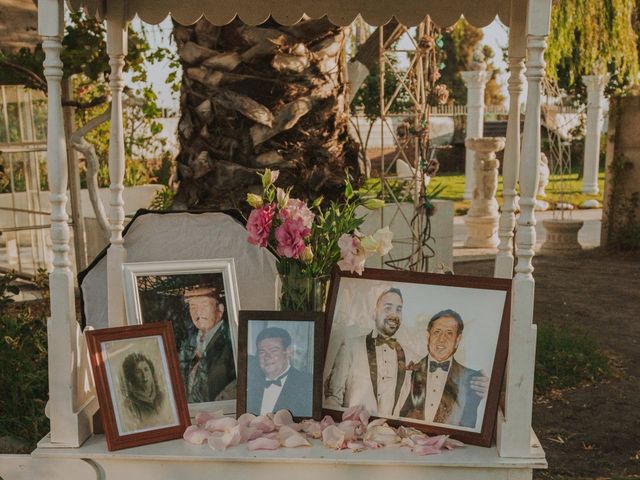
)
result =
(495, 35)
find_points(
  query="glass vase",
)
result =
(303, 293)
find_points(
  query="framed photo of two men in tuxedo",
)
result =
(280, 362)
(422, 350)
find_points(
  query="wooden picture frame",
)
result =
(444, 341)
(262, 351)
(164, 290)
(138, 384)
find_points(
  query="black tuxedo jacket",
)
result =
(459, 403)
(296, 394)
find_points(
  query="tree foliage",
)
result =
(593, 37)
(461, 44)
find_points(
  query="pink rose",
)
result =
(295, 209)
(259, 224)
(290, 237)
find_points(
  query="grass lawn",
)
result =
(565, 188)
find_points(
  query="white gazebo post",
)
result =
(595, 100)
(116, 48)
(511, 160)
(475, 81)
(514, 432)
(70, 426)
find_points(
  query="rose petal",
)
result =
(352, 413)
(203, 417)
(263, 423)
(326, 421)
(425, 450)
(290, 438)
(254, 433)
(356, 446)
(349, 429)
(450, 443)
(377, 422)
(371, 444)
(246, 419)
(263, 443)
(220, 424)
(196, 435)
(436, 441)
(282, 417)
(312, 428)
(218, 441)
(383, 434)
(333, 437)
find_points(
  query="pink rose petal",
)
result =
(371, 444)
(383, 435)
(290, 438)
(254, 433)
(263, 444)
(356, 446)
(326, 421)
(220, 424)
(312, 428)
(263, 423)
(435, 441)
(377, 422)
(425, 450)
(217, 441)
(333, 437)
(246, 419)
(203, 417)
(196, 435)
(282, 417)
(349, 429)
(450, 444)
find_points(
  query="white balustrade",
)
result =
(116, 48)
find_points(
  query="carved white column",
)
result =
(482, 218)
(595, 99)
(69, 427)
(116, 48)
(475, 81)
(511, 161)
(514, 433)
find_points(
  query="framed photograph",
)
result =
(138, 384)
(423, 350)
(280, 362)
(200, 300)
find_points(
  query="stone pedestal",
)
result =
(482, 218)
(561, 237)
(475, 82)
(595, 104)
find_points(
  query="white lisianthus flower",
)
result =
(254, 200)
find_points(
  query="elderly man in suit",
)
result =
(273, 383)
(207, 358)
(370, 370)
(442, 390)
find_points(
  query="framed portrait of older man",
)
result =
(138, 384)
(200, 300)
(423, 350)
(280, 363)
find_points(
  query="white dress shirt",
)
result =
(387, 363)
(272, 393)
(435, 386)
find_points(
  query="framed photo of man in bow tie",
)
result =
(419, 349)
(279, 363)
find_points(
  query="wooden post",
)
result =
(116, 48)
(514, 433)
(69, 426)
(511, 162)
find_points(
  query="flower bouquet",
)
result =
(309, 240)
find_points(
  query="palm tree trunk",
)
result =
(262, 97)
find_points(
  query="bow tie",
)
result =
(433, 366)
(390, 342)
(277, 382)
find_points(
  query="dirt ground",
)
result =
(592, 431)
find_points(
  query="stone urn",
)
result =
(561, 236)
(483, 217)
